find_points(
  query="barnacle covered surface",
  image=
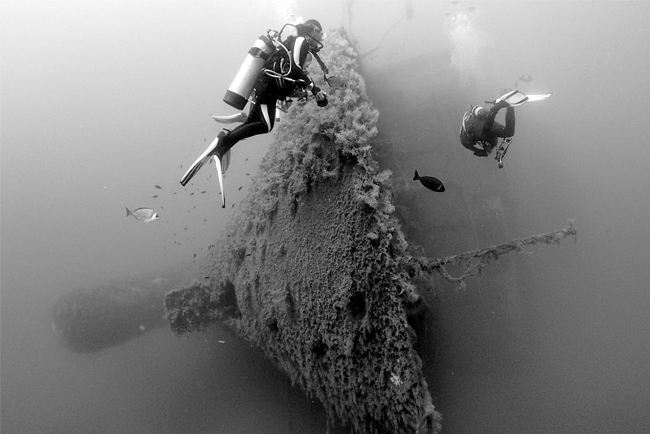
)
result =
(312, 269)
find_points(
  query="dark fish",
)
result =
(433, 184)
(191, 194)
(158, 187)
(203, 192)
(240, 188)
(143, 214)
(155, 196)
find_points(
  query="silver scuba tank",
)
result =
(242, 85)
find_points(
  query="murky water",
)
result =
(101, 103)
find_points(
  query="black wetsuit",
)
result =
(268, 90)
(481, 136)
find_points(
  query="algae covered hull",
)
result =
(313, 267)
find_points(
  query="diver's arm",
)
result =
(300, 53)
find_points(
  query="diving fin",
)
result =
(513, 98)
(219, 164)
(231, 119)
(516, 98)
(225, 161)
(196, 166)
(539, 97)
(501, 151)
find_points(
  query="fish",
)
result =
(433, 184)
(158, 187)
(240, 188)
(155, 196)
(525, 79)
(143, 214)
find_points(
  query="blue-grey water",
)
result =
(102, 100)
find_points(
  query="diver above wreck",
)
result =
(273, 70)
(480, 133)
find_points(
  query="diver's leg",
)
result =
(509, 130)
(489, 121)
(196, 166)
(258, 122)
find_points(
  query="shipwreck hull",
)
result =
(315, 268)
(312, 269)
(318, 291)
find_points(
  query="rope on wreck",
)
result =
(487, 255)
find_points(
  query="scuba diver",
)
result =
(480, 133)
(281, 67)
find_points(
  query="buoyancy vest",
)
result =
(286, 65)
(470, 133)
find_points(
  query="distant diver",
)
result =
(273, 73)
(433, 184)
(480, 133)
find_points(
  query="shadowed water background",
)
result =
(103, 100)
